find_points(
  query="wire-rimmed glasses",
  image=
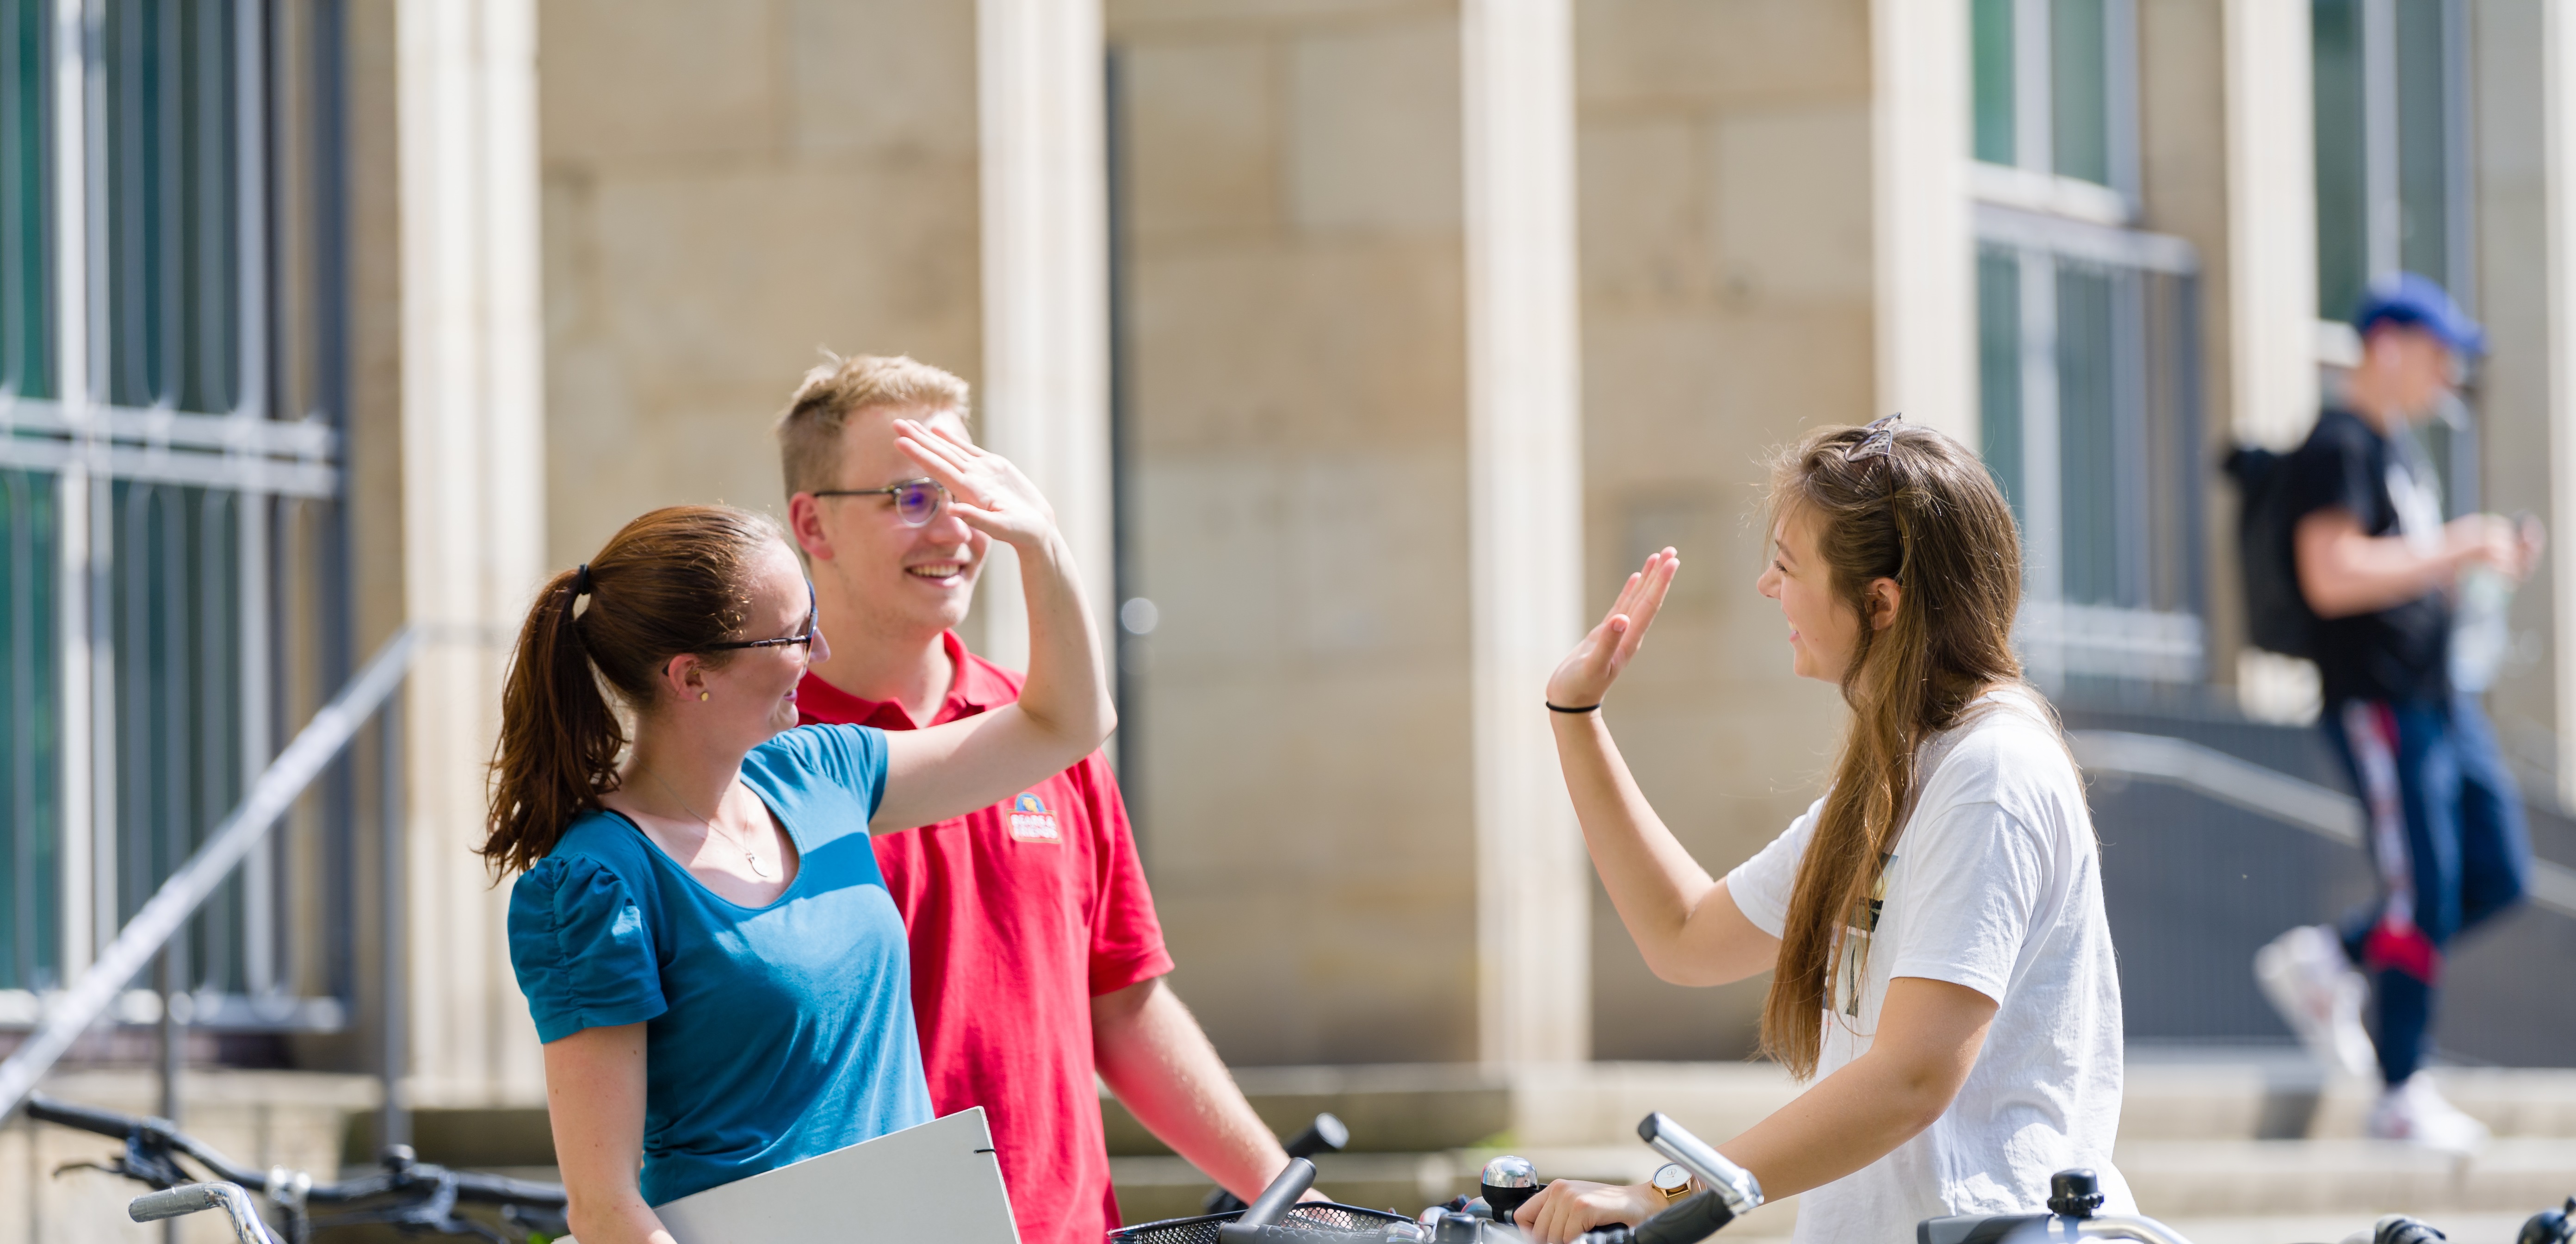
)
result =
(813, 623)
(916, 500)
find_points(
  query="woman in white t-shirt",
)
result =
(1943, 972)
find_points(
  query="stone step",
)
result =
(2203, 1178)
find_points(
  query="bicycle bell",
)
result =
(1509, 1182)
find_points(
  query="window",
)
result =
(2085, 332)
(2392, 177)
(2053, 89)
(169, 522)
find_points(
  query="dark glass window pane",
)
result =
(26, 286)
(1999, 371)
(171, 260)
(30, 752)
(2088, 439)
(175, 595)
(2423, 140)
(2080, 90)
(1990, 41)
(2343, 195)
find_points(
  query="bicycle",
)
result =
(407, 1193)
(1729, 1192)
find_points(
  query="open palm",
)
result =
(1587, 672)
(984, 489)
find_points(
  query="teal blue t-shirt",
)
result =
(772, 1034)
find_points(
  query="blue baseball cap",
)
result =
(2418, 302)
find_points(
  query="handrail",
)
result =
(70, 1013)
(2325, 812)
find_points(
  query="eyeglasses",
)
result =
(917, 500)
(813, 623)
(1879, 439)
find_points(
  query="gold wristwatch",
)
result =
(1671, 1182)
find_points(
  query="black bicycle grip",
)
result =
(1695, 1219)
(481, 1189)
(1272, 1205)
(85, 1118)
(1325, 1135)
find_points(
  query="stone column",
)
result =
(1926, 306)
(473, 513)
(2271, 222)
(2558, 147)
(1045, 403)
(1525, 481)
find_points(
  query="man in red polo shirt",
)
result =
(1036, 956)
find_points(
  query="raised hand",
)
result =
(1586, 673)
(984, 489)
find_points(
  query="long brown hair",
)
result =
(1925, 514)
(673, 581)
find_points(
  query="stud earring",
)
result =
(702, 695)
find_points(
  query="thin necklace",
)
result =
(758, 869)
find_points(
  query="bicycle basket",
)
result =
(1312, 1215)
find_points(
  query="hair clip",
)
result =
(1879, 439)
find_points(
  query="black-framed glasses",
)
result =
(917, 500)
(813, 623)
(1878, 439)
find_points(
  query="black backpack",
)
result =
(2277, 615)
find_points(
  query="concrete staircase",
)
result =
(2231, 1147)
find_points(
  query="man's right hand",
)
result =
(2493, 540)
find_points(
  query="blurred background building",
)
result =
(1364, 344)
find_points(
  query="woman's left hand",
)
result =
(1567, 1208)
(984, 489)
(1587, 672)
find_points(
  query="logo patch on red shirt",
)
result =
(1030, 820)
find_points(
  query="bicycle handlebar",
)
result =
(401, 1175)
(193, 1198)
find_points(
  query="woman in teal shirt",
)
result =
(710, 956)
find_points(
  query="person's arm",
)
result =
(1685, 923)
(595, 1102)
(2344, 571)
(1153, 1055)
(1063, 711)
(1928, 1036)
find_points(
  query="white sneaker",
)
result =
(2414, 1112)
(2314, 986)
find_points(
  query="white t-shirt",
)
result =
(1995, 884)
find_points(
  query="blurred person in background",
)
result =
(1037, 957)
(2379, 568)
(1942, 968)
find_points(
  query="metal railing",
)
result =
(2328, 813)
(373, 692)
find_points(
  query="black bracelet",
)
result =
(1553, 706)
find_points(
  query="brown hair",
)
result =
(809, 431)
(673, 581)
(1926, 515)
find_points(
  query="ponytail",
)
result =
(559, 741)
(675, 580)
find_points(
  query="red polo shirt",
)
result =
(1019, 915)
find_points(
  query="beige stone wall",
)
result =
(727, 189)
(2182, 157)
(1299, 497)
(2510, 196)
(1725, 167)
